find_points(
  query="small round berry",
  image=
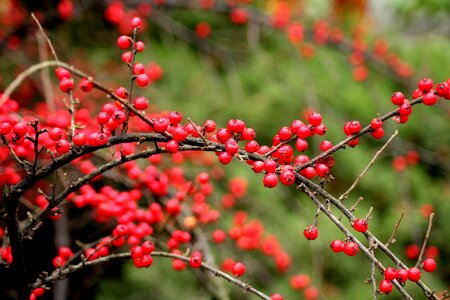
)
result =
(442, 89)
(397, 98)
(270, 180)
(172, 146)
(311, 232)
(414, 274)
(308, 172)
(148, 247)
(5, 128)
(429, 265)
(225, 158)
(124, 42)
(141, 103)
(325, 145)
(119, 117)
(66, 85)
(62, 147)
(209, 126)
(354, 127)
(238, 269)
(127, 57)
(121, 92)
(136, 252)
(287, 177)
(402, 275)
(390, 273)
(285, 133)
(276, 297)
(251, 146)
(425, 84)
(175, 117)
(39, 292)
(417, 93)
(376, 123)
(412, 251)
(139, 46)
(378, 134)
(138, 69)
(79, 139)
(21, 128)
(219, 236)
(196, 260)
(429, 99)
(136, 22)
(55, 133)
(315, 119)
(270, 165)
(351, 248)
(386, 286)
(405, 109)
(62, 73)
(142, 80)
(86, 85)
(320, 130)
(231, 146)
(337, 246)
(361, 225)
(322, 170)
(301, 145)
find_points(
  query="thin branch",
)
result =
(392, 238)
(425, 241)
(23, 163)
(353, 208)
(41, 29)
(198, 132)
(369, 165)
(74, 268)
(274, 149)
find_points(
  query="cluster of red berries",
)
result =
(141, 255)
(64, 254)
(350, 248)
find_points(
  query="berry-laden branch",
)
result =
(60, 274)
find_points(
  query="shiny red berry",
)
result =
(351, 248)
(386, 286)
(425, 84)
(311, 232)
(414, 274)
(337, 246)
(270, 180)
(390, 273)
(315, 119)
(238, 269)
(124, 42)
(397, 98)
(361, 225)
(429, 265)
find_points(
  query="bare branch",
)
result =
(425, 240)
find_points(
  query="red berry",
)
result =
(285, 133)
(390, 273)
(136, 252)
(322, 170)
(270, 180)
(376, 123)
(39, 292)
(414, 274)
(412, 251)
(5, 128)
(86, 85)
(429, 99)
(417, 93)
(79, 139)
(252, 146)
(139, 46)
(235, 125)
(127, 57)
(231, 146)
(270, 165)
(138, 69)
(429, 265)
(300, 281)
(219, 236)
(172, 146)
(21, 128)
(239, 16)
(276, 297)
(425, 84)
(301, 145)
(141, 103)
(397, 98)
(402, 275)
(196, 260)
(62, 73)
(124, 42)
(405, 109)
(320, 130)
(119, 117)
(351, 248)
(55, 133)
(353, 127)
(136, 22)
(361, 225)
(142, 80)
(442, 89)
(225, 158)
(175, 117)
(378, 134)
(311, 232)
(66, 85)
(287, 177)
(315, 119)
(121, 92)
(308, 172)
(337, 246)
(62, 147)
(386, 286)
(238, 269)
(148, 247)
(209, 126)
(325, 145)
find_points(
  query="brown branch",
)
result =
(425, 240)
(392, 238)
(369, 165)
(198, 132)
(126, 255)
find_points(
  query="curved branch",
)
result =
(74, 268)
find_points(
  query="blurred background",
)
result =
(247, 67)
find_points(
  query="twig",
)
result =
(198, 132)
(392, 238)
(427, 236)
(23, 163)
(353, 208)
(368, 216)
(45, 36)
(274, 149)
(372, 274)
(369, 165)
